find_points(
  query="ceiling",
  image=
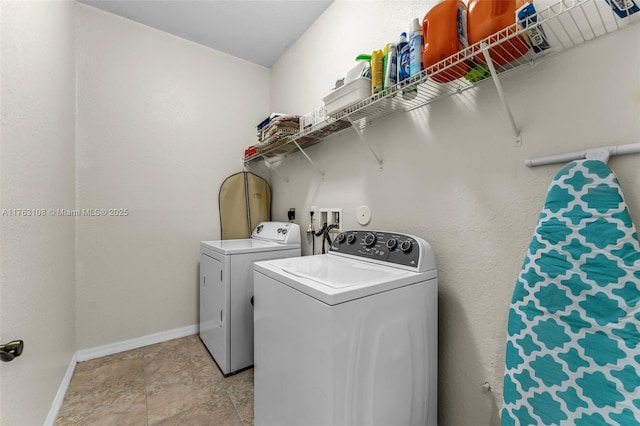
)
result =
(259, 31)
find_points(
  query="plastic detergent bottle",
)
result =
(376, 71)
(416, 43)
(445, 33)
(403, 58)
(487, 17)
(390, 65)
(361, 69)
(365, 68)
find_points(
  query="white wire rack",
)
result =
(565, 24)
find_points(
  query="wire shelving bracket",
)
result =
(308, 158)
(363, 139)
(503, 99)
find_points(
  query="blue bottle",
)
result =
(404, 63)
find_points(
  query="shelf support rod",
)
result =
(362, 138)
(271, 167)
(496, 81)
(267, 163)
(596, 153)
(309, 159)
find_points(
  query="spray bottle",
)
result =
(416, 44)
(377, 72)
(390, 66)
(365, 66)
(403, 58)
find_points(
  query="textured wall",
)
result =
(37, 263)
(161, 122)
(452, 175)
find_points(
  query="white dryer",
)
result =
(226, 289)
(350, 337)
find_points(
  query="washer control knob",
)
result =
(369, 240)
(351, 239)
(406, 246)
(340, 238)
(392, 243)
(259, 229)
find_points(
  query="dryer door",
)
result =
(213, 302)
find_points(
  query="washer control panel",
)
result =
(391, 247)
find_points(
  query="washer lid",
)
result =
(334, 280)
(338, 273)
(246, 245)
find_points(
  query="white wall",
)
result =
(452, 175)
(161, 123)
(37, 299)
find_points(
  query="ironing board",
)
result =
(573, 334)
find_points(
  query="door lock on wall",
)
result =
(10, 350)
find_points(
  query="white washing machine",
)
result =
(226, 289)
(350, 337)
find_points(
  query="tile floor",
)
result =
(170, 383)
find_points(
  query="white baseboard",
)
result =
(110, 349)
(62, 391)
(139, 342)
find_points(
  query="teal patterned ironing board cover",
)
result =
(573, 334)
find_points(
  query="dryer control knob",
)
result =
(369, 240)
(351, 239)
(392, 243)
(340, 238)
(406, 246)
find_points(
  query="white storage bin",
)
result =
(312, 118)
(347, 95)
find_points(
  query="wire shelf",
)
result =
(564, 24)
